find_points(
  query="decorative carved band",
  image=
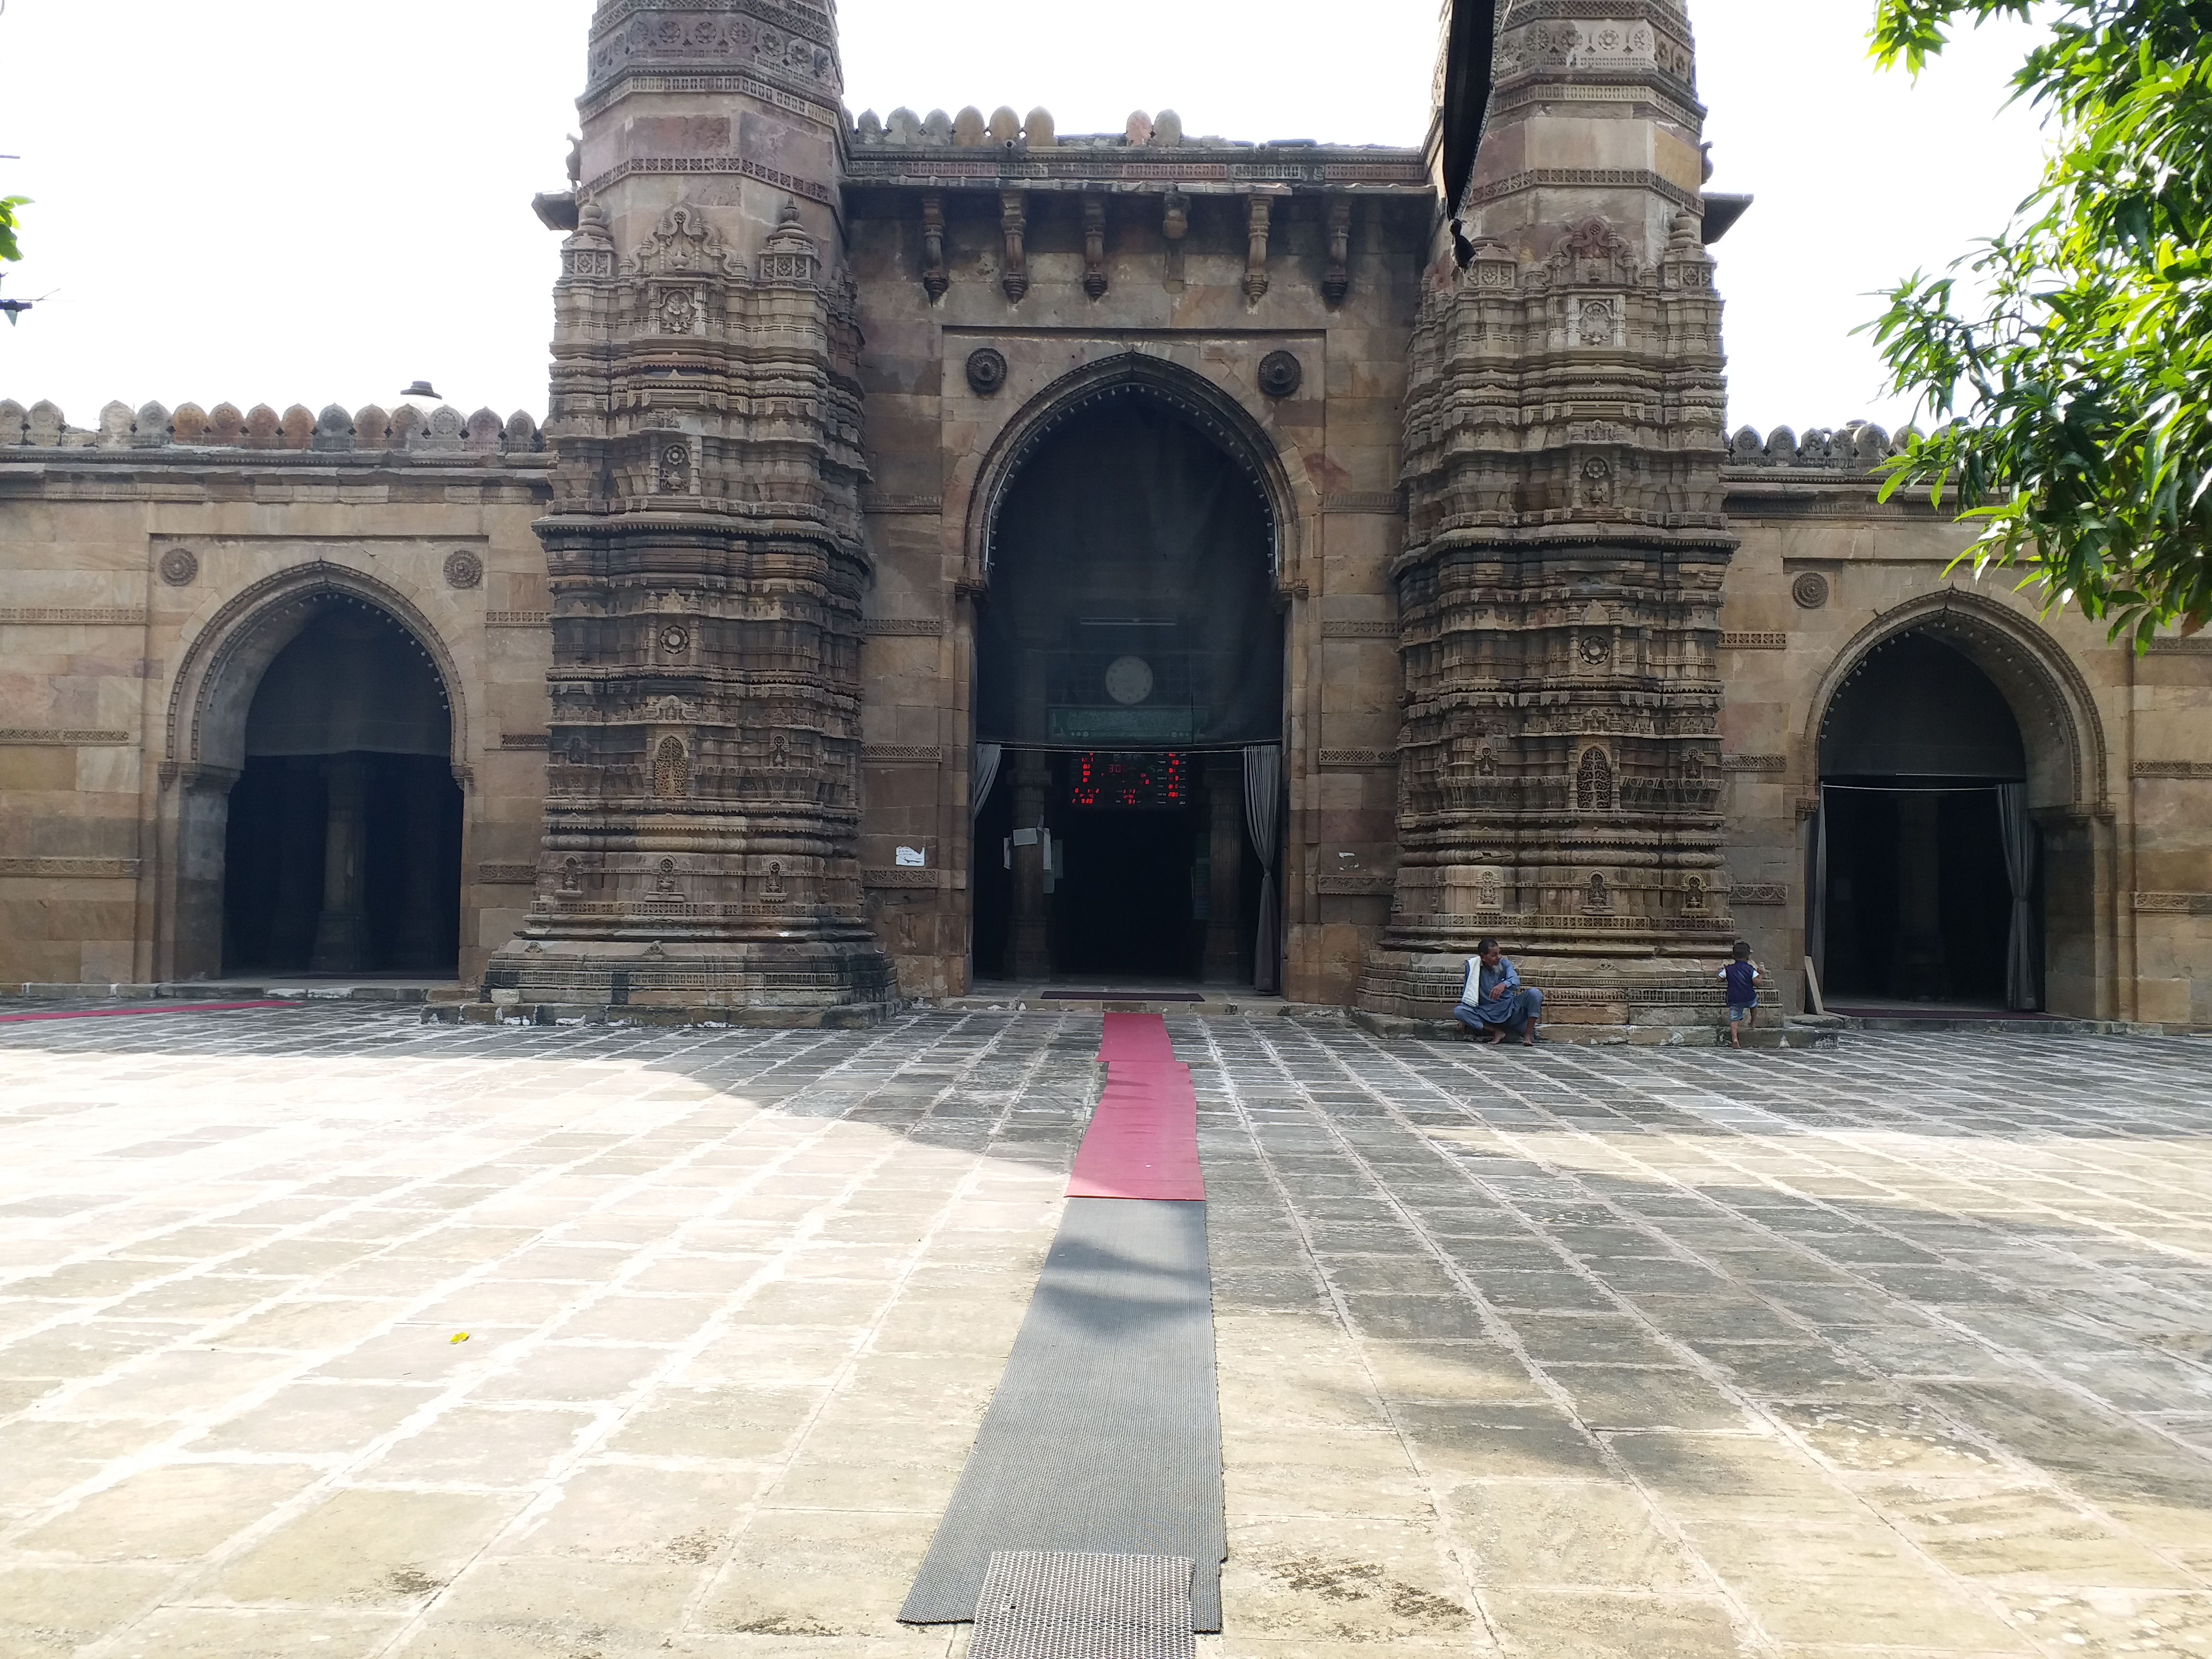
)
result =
(518, 619)
(2177, 768)
(1358, 627)
(92, 869)
(507, 875)
(913, 627)
(749, 168)
(1755, 763)
(1542, 178)
(1365, 886)
(1732, 641)
(524, 739)
(899, 876)
(902, 504)
(1387, 501)
(2182, 904)
(66, 739)
(636, 82)
(1356, 760)
(902, 754)
(2197, 645)
(86, 616)
(1760, 892)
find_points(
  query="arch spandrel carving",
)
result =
(222, 663)
(1290, 496)
(2039, 678)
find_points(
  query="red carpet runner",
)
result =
(1143, 1139)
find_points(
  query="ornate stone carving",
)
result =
(1280, 374)
(672, 769)
(1810, 590)
(1566, 539)
(1594, 781)
(179, 566)
(704, 536)
(987, 370)
(464, 570)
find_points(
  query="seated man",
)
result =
(1494, 1002)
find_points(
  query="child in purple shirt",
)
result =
(1742, 976)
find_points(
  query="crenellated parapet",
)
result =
(406, 429)
(1855, 447)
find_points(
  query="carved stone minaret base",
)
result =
(1558, 594)
(704, 546)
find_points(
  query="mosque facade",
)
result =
(960, 554)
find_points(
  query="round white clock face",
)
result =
(1129, 680)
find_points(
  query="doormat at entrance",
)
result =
(165, 1008)
(1132, 995)
(1036, 1605)
(1104, 1435)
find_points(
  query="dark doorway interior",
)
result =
(1918, 905)
(1161, 888)
(342, 851)
(1128, 902)
(1918, 901)
(410, 846)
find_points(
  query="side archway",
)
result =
(1960, 766)
(312, 790)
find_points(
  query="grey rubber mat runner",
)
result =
(1104, 1437)
(1085, 1606)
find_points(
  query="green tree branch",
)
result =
(2069, 378)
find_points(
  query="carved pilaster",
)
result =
(1255, 250)
(1094, 245)
(934, 277)
(1013, 225)
(1336, 282)
(1175, 225)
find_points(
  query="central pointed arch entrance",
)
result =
(1129, 691)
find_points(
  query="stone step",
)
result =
(274, 990)
(1783, 1034)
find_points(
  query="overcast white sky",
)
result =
(311, 201)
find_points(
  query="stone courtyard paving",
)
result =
(1903, 1349)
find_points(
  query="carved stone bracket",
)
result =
(1337, 282)
(1014, 224)
(1255, 253)
(1094, 245)
(935, 279)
